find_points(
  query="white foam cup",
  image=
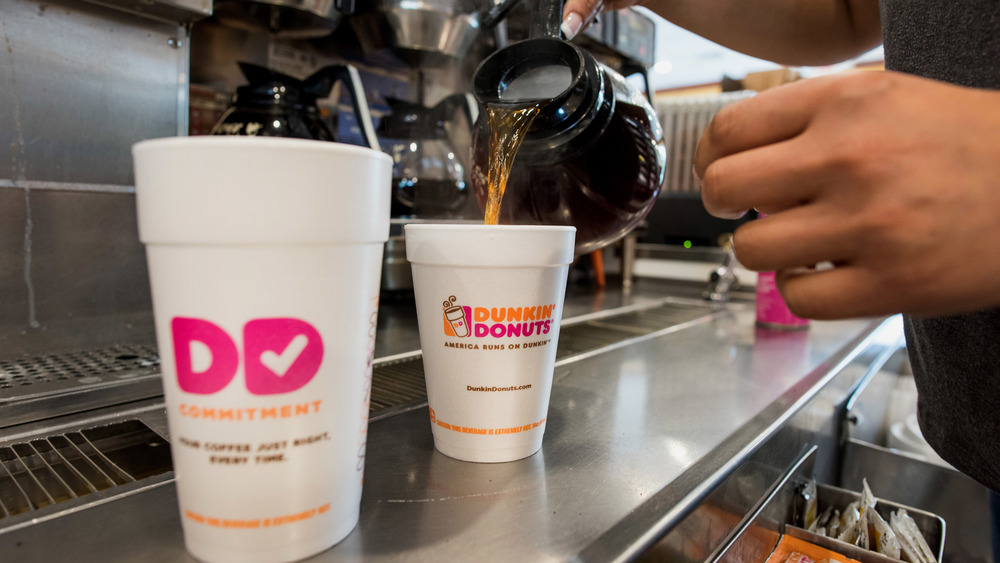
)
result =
(489, 303)
(264, 260)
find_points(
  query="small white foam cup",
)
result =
(489, 304)
(264, 261)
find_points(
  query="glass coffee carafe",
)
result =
(428, 179)
(594, 156)
(277, 105)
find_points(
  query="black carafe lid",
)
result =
(555, 74)
(575, 100)
(270, 86)
(274, 91)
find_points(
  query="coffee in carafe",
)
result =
(428, 179)
(593, 157)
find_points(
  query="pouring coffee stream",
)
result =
(592, 157)
(506, 129)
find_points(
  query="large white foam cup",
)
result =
(489, 303)
(264, 261)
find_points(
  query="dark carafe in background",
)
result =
(273, 104)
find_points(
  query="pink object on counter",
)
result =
(772, 311)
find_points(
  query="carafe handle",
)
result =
(321, 82)
(546, 20)
(488, 19)
(465, 103)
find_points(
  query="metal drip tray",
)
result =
(61, 469)
(49, 385)
(398, 384)
(68, 371)
(65, 464)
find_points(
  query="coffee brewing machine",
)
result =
(156, 68)
(415, 60)
(81, 81)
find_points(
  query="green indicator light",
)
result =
(687, 244)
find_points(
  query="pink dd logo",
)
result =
(279, 355)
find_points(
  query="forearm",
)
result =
(791, 32)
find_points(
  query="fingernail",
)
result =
(571, 25)
(694, 172)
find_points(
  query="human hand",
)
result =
(578, 14)
(893, 179)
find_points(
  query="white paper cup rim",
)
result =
(486, 246)
(220, 190)
(247, 141)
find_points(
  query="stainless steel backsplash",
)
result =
(79, 84)
(82, 81)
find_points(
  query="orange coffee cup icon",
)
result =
(455, 319)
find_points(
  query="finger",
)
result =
(840, 293)
(797, 238)
(577, 14)
(769, 117)
(769, 178)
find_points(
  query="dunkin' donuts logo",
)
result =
(280, 355)
(462, 321)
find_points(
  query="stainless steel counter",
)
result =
(638, 434)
